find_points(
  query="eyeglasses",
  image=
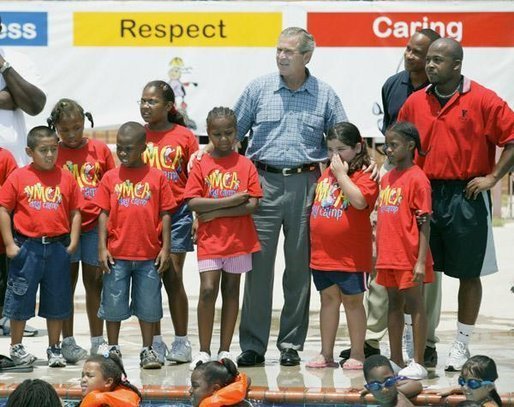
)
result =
(473, 384)
(377, 386)
(149, 102)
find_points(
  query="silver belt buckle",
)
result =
(286, 172)
(45, 240)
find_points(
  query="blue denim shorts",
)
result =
(87, 251)
(46, 266)
(145, 298)
(181, 226)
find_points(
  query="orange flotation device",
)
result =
(229, 395)
(120, 397)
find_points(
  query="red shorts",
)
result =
(401, 279)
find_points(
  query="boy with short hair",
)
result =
(133, 199)
(45, 202)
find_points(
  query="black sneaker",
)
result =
(368, 351)
(430, 357)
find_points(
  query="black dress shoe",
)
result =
(289, 357)
(368, 351)
(250, 358)
(430, 357)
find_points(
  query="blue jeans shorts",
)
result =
(145, 298)
(350, 283)
(181, 226)
(87, 251)
(46, 266)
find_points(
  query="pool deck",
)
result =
(494, 337)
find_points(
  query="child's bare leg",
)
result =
(209, 288)
(395, 324)
(329, 320)
(356, 320)
(147, 331)
(54, 327)
(230, 308)
(17, 328)
(67, 326)
(113, 331)
(177, 297)
(92, 279)
(416, 304)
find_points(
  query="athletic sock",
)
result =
(157, 339)
(464, 332)
(181, 338)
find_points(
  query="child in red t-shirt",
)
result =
(169, 145)
(341, 239)
(134, 241)
(87, 160)
(223, 189)
(404, 262)
(45, 202)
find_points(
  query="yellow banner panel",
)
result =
(181, 29)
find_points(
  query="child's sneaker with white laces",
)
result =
(55, 357)
(71, 351)
(180, 351)
(149, 359)
(161, 350)
(20, 356)
(414, 371)
(458, 355)
(202, 357)
(226, 355)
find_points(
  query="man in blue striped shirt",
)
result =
(286, 116)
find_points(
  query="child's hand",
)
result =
(206, 216)
(421, 217)
(239, 198)
(161, 262)
(338, 166)
(418, 273)
(71, 249)
(443, 392)
(194, 230)
(106, 260)
(12, 250)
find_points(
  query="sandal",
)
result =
(352, 364)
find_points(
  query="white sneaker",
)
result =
(226, 355)
(55, 356)
(202, 357)
(180, 352)
(458, 355)
(408, 341)
(99, 348)
(395, 367)
(71, 351)
(161, 350)
(20, 356)
(414, 371)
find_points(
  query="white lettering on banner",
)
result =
(384, 27)
(15, 31)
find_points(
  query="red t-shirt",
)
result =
(217, 178)
(341, 236)
(7, 165)
(402, 193)
(169, 151)
(42, 201)
(87, 164)
(135, 199)
(460, 138)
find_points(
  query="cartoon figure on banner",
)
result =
(176, 69)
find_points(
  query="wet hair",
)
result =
(219, 112)
(430, 34)
(409, 132)
(375, 361)
(65, 108)
(37, 133)
(34, 393)
(307, 43)
(133, 129)
(348, 134)
(169, 96)
(111, 367)
(223, 372)
(483, 368)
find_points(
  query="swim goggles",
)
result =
(473, 384)
(377, 386)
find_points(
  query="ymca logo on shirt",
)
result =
(39, 196)
(87, 176)
(221, 184)
(168, 159)
(389, 199)
(329, 201)
(128, 193)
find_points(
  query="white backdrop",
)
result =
(108, 79)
